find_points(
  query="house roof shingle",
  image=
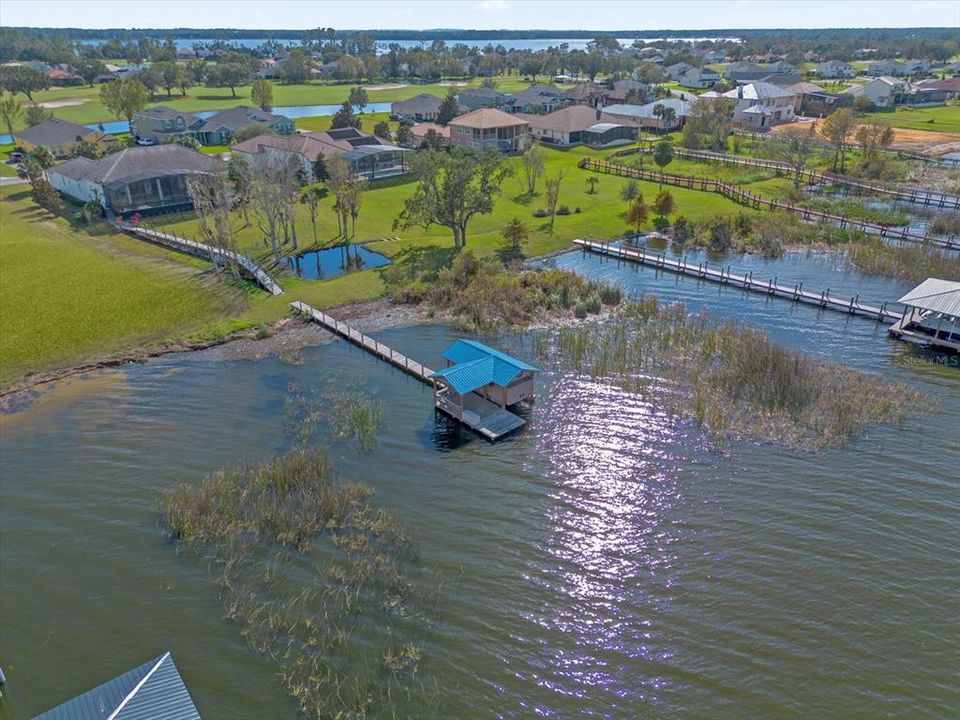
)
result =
(487, 118)
(54, 133)
(137, 162)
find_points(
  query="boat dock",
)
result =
(724, 276)
(484, 417)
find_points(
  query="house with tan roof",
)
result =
(60, 138)
(489, 128)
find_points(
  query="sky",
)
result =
(481, 14)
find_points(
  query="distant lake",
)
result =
(383, 45)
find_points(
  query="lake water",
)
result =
(605, 562)
(290, 111)
(330, 262)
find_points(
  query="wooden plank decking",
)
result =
(723, 276)
(480, 415)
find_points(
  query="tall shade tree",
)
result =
(345, 117)
(837, 129)
(21, 79)
(532, 166)
(124, 98)
(663, 156)
(212, 203)
(448, 110)
(451, 188)
(10, 110)
(358, 97)
(261, 94)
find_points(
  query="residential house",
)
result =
(586, 93)
(814, 101)
(628, 89)
(833, 69)
(605, 134)
(648, 116)
(710, 56)
(884, 67)
(745, 72)
(153, 690)
(420, 130)
(162, 124)
(563, 127)
(539, 99)
(936, 93)
(220, 128)
(489, 128)
(881, 92)
(913, 68)
(419, 108)
(780, 79)
(759, 105)
(60, 138)
(702, 77)
(142, 180)
(270, 69)
(476, 98)
(951, 87)
(676, 71)
(60, 77)
(186, 53)
(366, 155)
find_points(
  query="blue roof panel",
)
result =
(465, 350)
(468, 376)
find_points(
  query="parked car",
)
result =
(146, 141)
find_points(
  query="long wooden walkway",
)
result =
(913, 195)
(374, 347)
(208, 252)
(724, 276)
(732, 192)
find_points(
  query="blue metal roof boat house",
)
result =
(479, 384)
(153, 691)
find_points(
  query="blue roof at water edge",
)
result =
(477, 365)
(152, 691)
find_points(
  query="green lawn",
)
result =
(68, 295)
(90, 110)
(935, 119)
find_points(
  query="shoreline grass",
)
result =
(729, 378)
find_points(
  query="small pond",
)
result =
(333, 261)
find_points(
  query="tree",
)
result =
(344, 117)
(592, 181)
(663, 156)
(238, 174)
(250, 130)
(553, 196)
(151, 79)
(41, 190)
(274, 190)
(404, 135)
(664, 204)
(837, 129)
(448, 110)
(21, 79)
(261, 94)
(629, 191)
(358, 97)
(169, 75)
(36, 115)
(382, 130)
(637, 213)
(311, 198)
(709, 125)
(796, 148)
(320, 168)
(338, 177)
(89, 69)
(451, 188)
(683, 230)
(212, 203)
(532, 165)
(296, 67)
(873, 136)
(228, 74)
(42, 157)
(515, 235)
(10, 110)
(124, 98)
(87, 149)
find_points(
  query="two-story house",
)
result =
(759, 105)
(488, 128)
(158, 125)
(539, 99)
(476, 98)
(833, 69)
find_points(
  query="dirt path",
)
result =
(50, 104)
(387, 86)
(928, 142)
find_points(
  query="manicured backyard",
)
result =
(945, 118)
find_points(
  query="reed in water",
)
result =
(729, 378)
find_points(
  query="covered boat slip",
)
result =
(479, 384)
(932, 315)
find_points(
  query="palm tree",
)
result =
(10, 110)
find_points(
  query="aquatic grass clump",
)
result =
(912, 263)
(482, 294)
(318, 579)
(729, 378)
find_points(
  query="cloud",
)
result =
(492, 5)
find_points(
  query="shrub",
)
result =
(563, 210)
(541, 212)
(576, 210)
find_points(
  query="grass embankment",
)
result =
(69, 295)
(729, 378)
(314, 574)
(944, 119)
